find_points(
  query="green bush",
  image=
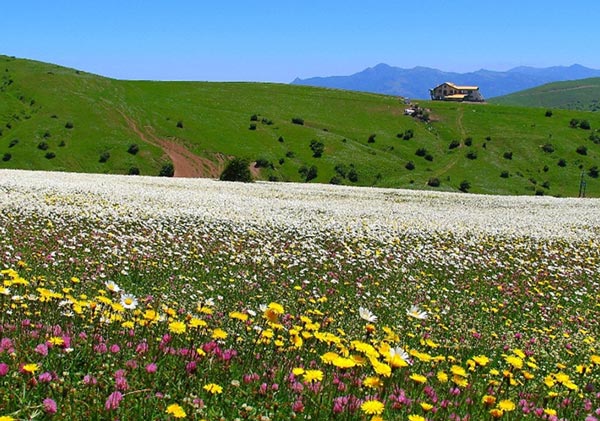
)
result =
(548, 113)
(43, 146)
(562, 162)
(167, 170)
(410, 165)
(6, 157)
(353, 175)
(581, 150)
(308, 173)
(433, 182)
(252, 126)
(50, 155)
(469, 141)
(421, 152)
(585, 125)
(133, 149)
(133, 171)
(13, 143)
(180, 124)
(454, 144)
(104, 156)
(464, 186)
(69, 125)
(548, 147)
(504, 174)
(238, 169)
(508, 155)
(317, 148)
(471, 155)
(372, 138)
(593, 172)
(298, 120)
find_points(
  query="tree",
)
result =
(167, 170)
(238, 169)
(317, 148)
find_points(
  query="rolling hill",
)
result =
(582, 94)
(416, 82)
(55, 118)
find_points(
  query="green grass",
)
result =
(583, 94)
(216, 118)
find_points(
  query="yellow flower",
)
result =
(373, 382)
(219, 333)
(482, 360)
(298, 371)
(177, 327)
(56, 340)
(496, 413)
(311, 376)
(488, 400)
(442, 377)
(426, 406)
(238, 315)
(341, 362)
(595, 359)
(329, 357)
(6, 418)
(418, 378)
(457, 370)
(550, 411)
(514, 361)
(31, 368)
(372, 407)
(213, 388)
(414, 417)
(176, 410)
(506, 405)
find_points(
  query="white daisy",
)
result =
(416, 312)
(129, 301)
(112, 287)
(366, 314)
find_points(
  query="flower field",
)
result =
(154, 298)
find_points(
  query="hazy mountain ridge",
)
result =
(416, 82)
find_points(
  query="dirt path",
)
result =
(185, 163)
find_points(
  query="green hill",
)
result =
(54, 118)
(583, 95)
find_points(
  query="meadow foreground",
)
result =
(156, 298)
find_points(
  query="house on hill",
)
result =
(448, 91)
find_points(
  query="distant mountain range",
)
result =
(416, 82)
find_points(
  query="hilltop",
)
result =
(55, 118)
(416, 82)
(582, 94)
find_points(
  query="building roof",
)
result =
(456, 96)
(468, 88)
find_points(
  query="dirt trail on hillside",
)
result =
(185, 163)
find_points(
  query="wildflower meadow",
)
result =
(152, 298)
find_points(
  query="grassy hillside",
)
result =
(40, 102)
(583, 94)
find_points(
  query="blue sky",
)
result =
(276, 41)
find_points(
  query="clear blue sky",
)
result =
(276, 41)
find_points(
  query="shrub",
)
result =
(13, 143)
(167, 170)
(562, 162)
(50, 155)
(408, 134)
(464, 186)
(488, 138)
(372, 138)
(290, 154)
(548, 113)
(574, 123)
(581, 150)
(454, 144)
(508, 155)
(471, 155)
(317, 148)
(341, 170)
(238, 169)
(353, 175)
(133, 171)
(43, 146)
(252, 126)
(104, 156)
(6, 157)
(61, 143)
(410, 165)
(433, 182)
(469, 141)
(298, 120)
(47, 134)
(585, 125)
(593, 172)
(133, 149)
(281, 161)
(428, 157)
(180, 124)
(263, 163)
(504, 174)
(539, 192)
(69, 125)
(421, 152)
(281, 139)
(267, 121)
(548, 147)
(254, 117)
(546, 168)
(308, 173)
(336, 179)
